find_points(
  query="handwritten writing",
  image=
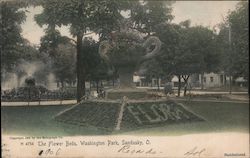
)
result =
(195, 152)
(127, 149)
(49, 152)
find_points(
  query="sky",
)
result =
(206, 13)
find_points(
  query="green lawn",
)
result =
(220, 117)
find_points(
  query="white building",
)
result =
(213, 80)
(209, 80)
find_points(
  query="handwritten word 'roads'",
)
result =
(127, 149)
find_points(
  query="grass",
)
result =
(38, 120)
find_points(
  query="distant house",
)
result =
(213, 80)
(240, 81)
(209, 80)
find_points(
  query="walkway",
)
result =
(37, 103)
(235, 97)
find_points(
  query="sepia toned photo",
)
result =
(124, 78)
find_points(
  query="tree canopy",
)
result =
(82, 17)
(187, 50)
(11, 18)
(147, 15)
(238, 20)
(234, 42)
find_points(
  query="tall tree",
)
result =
(234, 43)
(239, 29)
(200, 53)
(82, 17)
(64, 63)
(187, 50)
(172, 36)
(11, 18)
(97, 68)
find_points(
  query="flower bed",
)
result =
(100, 114)
(36, 93)
(156, 113)
(137, 114)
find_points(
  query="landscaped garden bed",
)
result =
(39, 120)
(136, 114)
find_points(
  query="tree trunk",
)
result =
(62, 84)
(185, 88)
(158, 83)
(29, 95)
(179, 85)
(247, 84)
(97, 86)
(234, 81)
(52, 51)
(202, 80)
(225, 81)
(80, 69)
(185, 78)
(230, 84)
(113, 82)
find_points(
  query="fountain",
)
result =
(29, 92)
(127, 107)
(126, 51)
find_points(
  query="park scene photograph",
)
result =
(124, 67)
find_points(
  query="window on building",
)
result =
(211, 79)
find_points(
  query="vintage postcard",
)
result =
(124, 78)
